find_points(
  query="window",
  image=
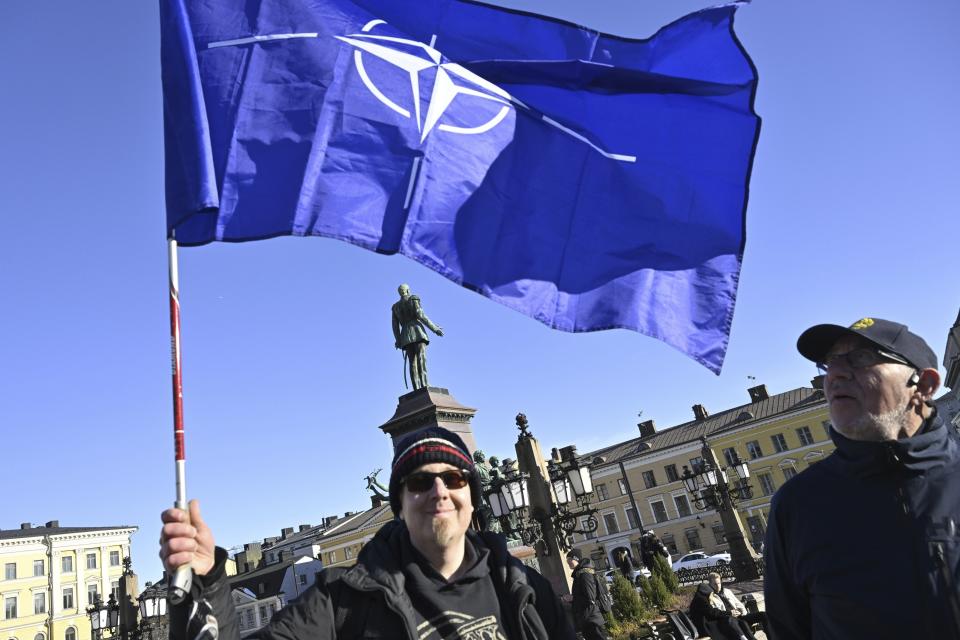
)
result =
(671, 544)
(39, 603)
(92, 593)
(649, 481)
(789, 472)
(623, 486)
(779, 444)
(91, 561)
(632, 519)
(114, 558)
(659, 511)
(671, 471)
(730, 455)
(71, 634)
(753, 448)
(251, 617)
(10, 571)
(303, 579)
(66, 565)
(68, 599)
(805, 436)
(610, 521)
(348, 552)
(331, 557)
(601, 490)
(683, 505)
(115, 590)
(38, 568)
(10, 607)
(585, 526)
(826, 427)
(263, 613)
(693, 538)
(766, 484)
(718, 534)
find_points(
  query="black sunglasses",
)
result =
(422, 481)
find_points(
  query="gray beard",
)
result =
(443, 532)
(879, 427)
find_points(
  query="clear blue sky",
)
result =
(288, 356)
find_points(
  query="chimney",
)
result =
(53, 524)
(758, 393)
(817, 382)
(555, 454)
(286, 532)
(647, 428)
(375, 501)
(304, 527)
(24, 525)
(700, 412)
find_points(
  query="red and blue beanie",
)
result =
(433, 444)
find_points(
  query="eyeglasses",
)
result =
(859, 359)
(422, 481)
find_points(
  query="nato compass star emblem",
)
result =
(450, 81)
(448, 84)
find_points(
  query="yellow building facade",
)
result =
(50, 574)
(340, 545)
(639, 481)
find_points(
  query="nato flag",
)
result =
(586, 180)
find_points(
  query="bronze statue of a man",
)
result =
(409, 321)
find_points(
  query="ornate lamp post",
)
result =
(104, 617)
(711, 488)
(153, 612)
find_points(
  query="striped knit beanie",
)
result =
(433, 444)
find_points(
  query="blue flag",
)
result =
(586, 180)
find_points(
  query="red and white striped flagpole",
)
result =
(180, 586)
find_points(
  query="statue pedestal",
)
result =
(430, 407)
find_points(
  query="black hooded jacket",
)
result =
(371, 598)
(865, 543)
(585, 603)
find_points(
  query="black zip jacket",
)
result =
(585, 605)
(865, 543)
(369, 599)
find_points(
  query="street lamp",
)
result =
(710, 487)
(153, 611)
(104, 617)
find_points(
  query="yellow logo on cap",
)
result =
(862, 323)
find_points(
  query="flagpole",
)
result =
(180, 586)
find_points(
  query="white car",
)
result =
(699, 559)
(642, 571)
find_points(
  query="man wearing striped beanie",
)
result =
(424, 575)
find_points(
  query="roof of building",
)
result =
(36, 532)
(357, 522)
(271, 576)
(692, 431)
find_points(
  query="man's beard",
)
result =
(444, 531)
(879, 427)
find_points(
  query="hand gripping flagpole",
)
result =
(182, 579)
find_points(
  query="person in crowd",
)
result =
(587, 613)
(424, 575)
(712, 617)
(865, 543)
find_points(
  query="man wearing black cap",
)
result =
(587, 614)
(865, 544)
(425, 576)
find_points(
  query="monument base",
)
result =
(431, 407)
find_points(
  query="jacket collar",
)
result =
(930, 448)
